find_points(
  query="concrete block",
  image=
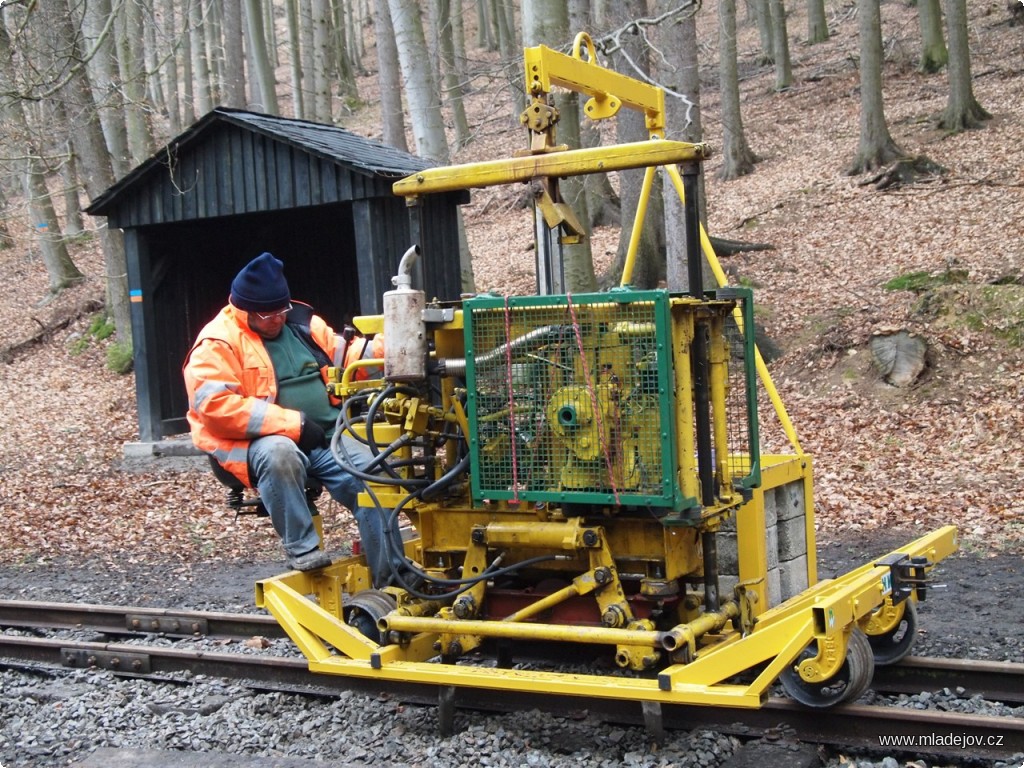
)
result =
(771, 546)
(771, 513)
(728, 554)
(726, 584)
(789, 501)
(793, 576)
(175, 455)
(729, 523)
(792, 538)
(774, 587)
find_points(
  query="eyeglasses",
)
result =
(274, 315)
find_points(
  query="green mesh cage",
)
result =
(570, 398)
(741, 393)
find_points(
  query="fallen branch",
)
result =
(725, 247)
(46, 330)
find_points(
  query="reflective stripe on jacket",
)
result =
(232, 390)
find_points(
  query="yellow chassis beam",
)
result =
(824, 612)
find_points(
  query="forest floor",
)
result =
(948, 449)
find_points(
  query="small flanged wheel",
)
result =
(860, 645)
(365, 609)
(893, 645)
(847, 684)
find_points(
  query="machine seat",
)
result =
(253, 506)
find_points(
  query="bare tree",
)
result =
(764, 29)
(392, 117)
(817, 24)
(679, 74)
(322, 108)
(424, 103)
(631, 57)
(602, 201)
(346, 49)
(420, 89)
(60, 269)
(485, 37)
(546, 22)
(131, 66)
(202, 90)
(737, 157)
(263, 74)
(962, 110)
(295, 47)
(780, 46)
(452, 75)
(876, 147)
(213, 26)
(234, 55)
(933, 47)
(98, 29)
(90, 149)
(308, 61)
(168, 52)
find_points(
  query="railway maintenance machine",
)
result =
(584, 472)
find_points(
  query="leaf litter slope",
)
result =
(946, 450)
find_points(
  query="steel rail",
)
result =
(115, 620)
(851, 726)
(993, 681)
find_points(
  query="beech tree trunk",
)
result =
(263, 79)
(780, 46)
(737, 157)
(420, 89)
(876, 147)
(933, 47)
(234, 55)
(60, 269)
(817, 24)
(392, 116)
(962, 110)
(546, 22)
(649, 265)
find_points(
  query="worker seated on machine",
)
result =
(256, 381)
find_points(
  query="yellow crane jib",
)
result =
(608, 90)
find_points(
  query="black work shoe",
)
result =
(310, 561)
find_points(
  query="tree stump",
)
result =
(899, 355)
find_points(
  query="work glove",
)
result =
(311, 435)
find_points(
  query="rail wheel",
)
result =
(852, 679)
(890, 646)
(365, 609)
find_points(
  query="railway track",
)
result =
(850, 726)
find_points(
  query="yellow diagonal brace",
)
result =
(573, 162)
(293, 610)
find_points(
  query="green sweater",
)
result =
(299, 386)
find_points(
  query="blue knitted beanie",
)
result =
(260, 286)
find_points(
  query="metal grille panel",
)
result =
(570, 398)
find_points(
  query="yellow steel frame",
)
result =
(826, 613)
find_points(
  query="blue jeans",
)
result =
(280, 470)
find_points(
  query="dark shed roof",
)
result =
(284, 163)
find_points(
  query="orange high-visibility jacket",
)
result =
(232, 389)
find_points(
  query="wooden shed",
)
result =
(238, 183)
